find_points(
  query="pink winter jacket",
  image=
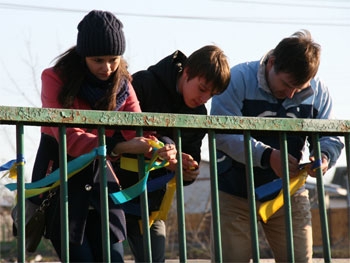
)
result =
(79, 140)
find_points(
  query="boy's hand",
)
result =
(189, 167)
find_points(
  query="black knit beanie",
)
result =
(100, 33)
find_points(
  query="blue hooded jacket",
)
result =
(249, 95)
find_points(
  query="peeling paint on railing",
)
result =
(55, 117)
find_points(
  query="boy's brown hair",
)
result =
(211, 63)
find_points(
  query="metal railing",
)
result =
(248, 126)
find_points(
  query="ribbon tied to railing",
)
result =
(168, 179)
(268, 208)
(131, 164)
(52, 180)
(74, 166)
(11, 167)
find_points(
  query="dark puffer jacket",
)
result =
(156, 89)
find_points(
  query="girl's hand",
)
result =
(136, 145)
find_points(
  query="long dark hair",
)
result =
(72, 69)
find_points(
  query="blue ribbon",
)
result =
(136, 189)
(72, 167)
(7, 165)
(270, 190)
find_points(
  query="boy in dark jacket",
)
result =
(176, 84)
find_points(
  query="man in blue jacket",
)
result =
(281, 85)
(176, 84)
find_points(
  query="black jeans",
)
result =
(135, 239)
(91, 248)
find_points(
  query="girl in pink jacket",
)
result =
(91, 76)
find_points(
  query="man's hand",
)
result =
(276, 164)
(324, 165)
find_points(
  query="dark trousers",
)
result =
(91, 248)
(135, 239)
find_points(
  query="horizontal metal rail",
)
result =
(248, 126)
(81, 118)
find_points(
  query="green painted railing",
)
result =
(248, 126)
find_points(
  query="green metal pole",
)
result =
(180, 199)
(287, 198)
(347, 155)
(104, 198)
(20, 194)
(347, 176)
(251, 196)
(147, 246)
(215, 208)
(321, 201)
(63, 194)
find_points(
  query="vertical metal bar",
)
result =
(251, 197)
(104, 197)
(147, 246)
(20, 194)
(214, 197)
(63, 194)
(180, 199)
(321, 201)
(347, 176)
(286, 197)
(347, 155)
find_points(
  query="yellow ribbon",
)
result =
(131, 164)
(162, 213)
(268, 208)
(37, 191)
(12, 172)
